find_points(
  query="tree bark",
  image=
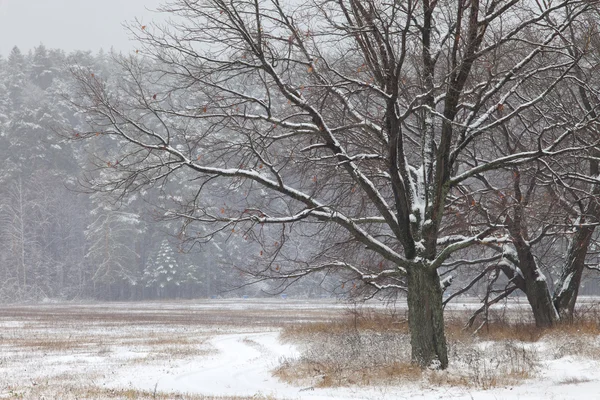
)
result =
(567, 287)
(426, 318)
(535, 285)
(540, 300)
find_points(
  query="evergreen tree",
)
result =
(163, 273)
(42, 71)
(15, 69)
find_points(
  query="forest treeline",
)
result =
(58, 241)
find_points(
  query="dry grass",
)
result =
(53, 356)
(528, 332)
(51, 338)
(169, 340)
(442, 378)
(494, 330)
(321, 375)
(362, 320)
(374, 348)
(349, 352)
(190, 313)
(96, 393)
(47, 344)
(574, 381)
(69, 351)
(362, 347)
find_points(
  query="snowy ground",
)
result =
(216, 347)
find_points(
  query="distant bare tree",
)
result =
(549, 208)
(111, 253)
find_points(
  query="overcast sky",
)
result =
(70, 24)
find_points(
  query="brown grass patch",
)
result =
(496, 330)
(364, 320)
(349, 352)
(169, 353)
(66, 392)
(573, 381)
(375, 349)
(489, 381)
(501, 328)
(321, 375)
(167, 340)
(183, 351)
(47, 344)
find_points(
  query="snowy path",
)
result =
(242, 365)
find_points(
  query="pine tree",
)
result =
(42, 71)
(16, 77)
(162, 272)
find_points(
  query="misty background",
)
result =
(56, 240)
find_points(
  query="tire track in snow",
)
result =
(241, 367)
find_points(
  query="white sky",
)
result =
(71, 24)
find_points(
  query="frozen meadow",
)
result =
(230, 349)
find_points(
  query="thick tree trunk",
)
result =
(426, 318)
(537, 290)
(540, 300)
(567, 287)
(536, 287)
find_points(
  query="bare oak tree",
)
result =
(357, 117)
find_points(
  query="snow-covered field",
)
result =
(217, 348)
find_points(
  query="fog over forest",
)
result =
(60, 242)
